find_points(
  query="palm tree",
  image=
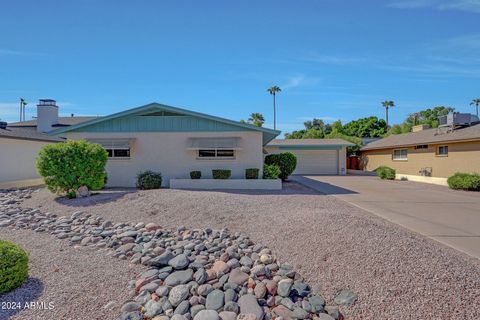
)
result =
(256, 119)
(387, 104)
(273, 91)
(475, 102)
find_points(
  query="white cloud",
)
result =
(298, 81)
(461, 5)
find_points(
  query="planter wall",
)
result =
(239, 184)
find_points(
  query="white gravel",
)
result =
(396, 273)
(76, 282)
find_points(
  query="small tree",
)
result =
(66, 166)
(286, 161)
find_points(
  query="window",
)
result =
(442, 151)
(421, 146)
(400, 154)
(216, 154)
(117, 148)
(118, 153)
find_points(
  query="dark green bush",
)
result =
(66, 166)
(271, 171)
(464, 181)
(385, 173)
(286, 161)
(149, 180)
(251, 173)
(13, 266)
(195, 174)
(221, 173)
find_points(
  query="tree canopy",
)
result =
(428, 116)
(371, 127)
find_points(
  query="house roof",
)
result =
(268, 134)
(428, 136)
(27, 134)
(62, 122)
(309, 142)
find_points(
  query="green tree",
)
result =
(387, 104)
(366, 127)
(475, 102)
(273, 91)
(428, 116)
(256, 119)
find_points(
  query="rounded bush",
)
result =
(66, 166)
(286, 161)
(271, 171)
(221, 173)
(147, 180)
(385, 173)
(195, 174)
(251, 173)
(13, 266)
(464, 181)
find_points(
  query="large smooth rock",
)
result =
(284, 287)
(207, 315)
(178, 294)
(249, 304)
(162, 260)
(283, 312)
(238, 276)
(215, 300)
(179, 277)
(179, 262)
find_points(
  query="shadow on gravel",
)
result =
(15, 301)
(97, 197)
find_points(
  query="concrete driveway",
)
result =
(450, 217)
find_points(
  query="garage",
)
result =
(314, 156)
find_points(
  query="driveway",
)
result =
(450, 217)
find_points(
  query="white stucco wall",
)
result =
(17, 160)
(167, 152)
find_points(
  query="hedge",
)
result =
(221, 173)
(251, 173)
(385, 173)
(195, 174)
(149, 180)
(464, 181)
(286, 161)
(13, 266)
(271, 171)
(66, 166)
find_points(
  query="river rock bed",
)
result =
(200, 274)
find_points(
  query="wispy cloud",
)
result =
(298, 81)
(461, 5)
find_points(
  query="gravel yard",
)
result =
(397, 274)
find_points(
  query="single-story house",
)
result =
(429, 155)
(314, 156)
(162, 138)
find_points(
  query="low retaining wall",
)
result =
(432, 180)
(21, 183)
(246, 184)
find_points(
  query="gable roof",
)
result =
(62, 121)
(27, 134)
(310, 142)
(428, 136)
(268, 134)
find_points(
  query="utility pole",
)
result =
(23, 103)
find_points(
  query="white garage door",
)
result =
(316, 161)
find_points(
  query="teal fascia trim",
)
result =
(132, 120)
(303, 147)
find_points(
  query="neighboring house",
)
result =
(314, 156)
(172, 141)
(18, 151)
(429, 155)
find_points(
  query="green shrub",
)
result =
(385, 173)
(464, 181)
(251, 173)
(286, 161)
(13, 266)
(271, 171)
(149, 180)
(221, 173)
(66, 166)
(195, 174)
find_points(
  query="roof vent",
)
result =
(456, 119)
(3, 125)
(420, 127)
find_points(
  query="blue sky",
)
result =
(333, 60)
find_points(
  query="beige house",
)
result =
(427, 155)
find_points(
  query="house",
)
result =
(428, 155)
(314, 156)
(173, 141)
